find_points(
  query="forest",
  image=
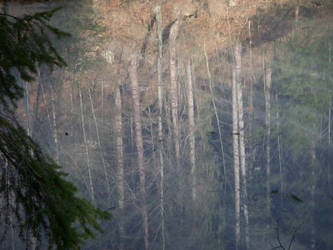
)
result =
(166, 124)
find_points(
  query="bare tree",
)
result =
(211, 89)
(120, 160)
(139, 144)
(160, 113)
(191, 122)
(235, 133)
(174, 87)
(91, 185)
(54, 123)
(99, 144)
(267, 90)
(241, 132)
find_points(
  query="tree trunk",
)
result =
(102, 100)
(139, 144)
(71, 95)
(37, 103)
(99, 143)
(241, 132)
(32, 238)
(191, 128)
(91, 186)
(211, 88)
(329, 117)
(174, 89)
(281, 172)
(313, 192)
(120, 162)
(267, 90)
(45, 103)
(55, 128)
(27, 107)
(160, 113)
(151, 129)
(236, 156)
(251, 110)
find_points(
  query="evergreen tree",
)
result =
(34, 193)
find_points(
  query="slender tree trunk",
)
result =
(235, 133)
(32, 238)
(37, 103)
(160, 113)
(242, 155)
(151, 129)
(313, 191)
(281, 172)
(55, 127)
(27, 107)
(131, 125)
(251, 109)
(211, 88)
(191, 128)
(91, 186)
(169, 142)
(120, 162)
(173, 88)
(102, 100)
(329, 117)
(139, 144)
(99, 143)
(267, 90)
(71, 95)
(47, 110)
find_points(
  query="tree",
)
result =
(34, 192)
(235, 144)
(139, 145)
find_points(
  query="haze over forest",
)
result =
(198, 124)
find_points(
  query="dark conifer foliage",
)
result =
(34, 193)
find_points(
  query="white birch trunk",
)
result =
(160, 113)
(190, 104)
(139, 145)
(173, 88)
(120, 162)
(236, 157)
(251, 108)
(55, 128)
(242, 155)
(267, 90)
